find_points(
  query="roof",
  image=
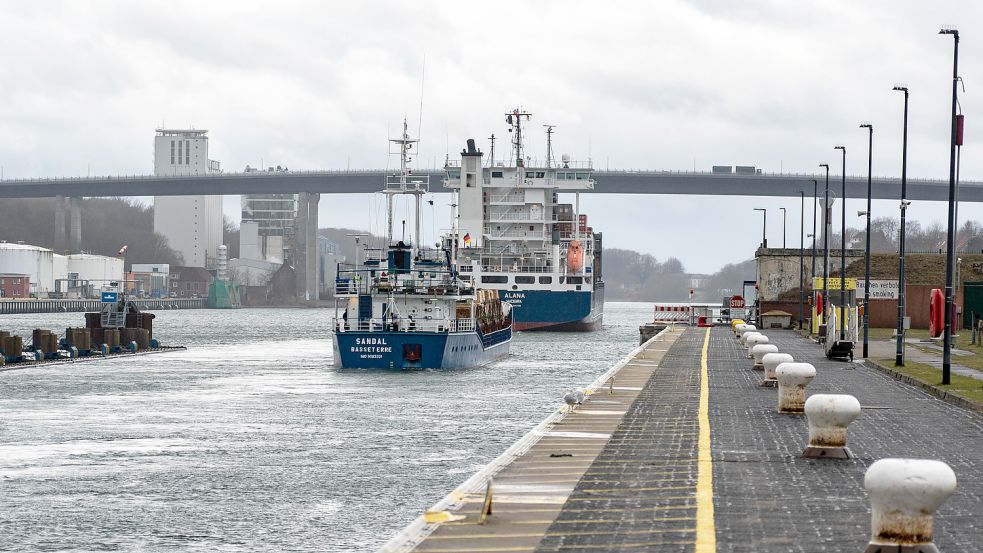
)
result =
(776, 313)
(13, 246)
(199, 274)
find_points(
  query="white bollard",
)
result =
(747, 333)
(754, 340)
(904, 495)
(792, 381)
(771, 361)
(829, 415)
(759, 351)
(738, 328)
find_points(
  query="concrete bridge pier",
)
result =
(305, 254)
(75, 225)
(59, 242)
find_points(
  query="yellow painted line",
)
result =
(706, 532)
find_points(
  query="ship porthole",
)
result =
(514, 287)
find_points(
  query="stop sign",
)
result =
(737, 302)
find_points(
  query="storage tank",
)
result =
(34, 261)
(97, 269)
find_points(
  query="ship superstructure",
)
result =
(405, 305)
(513, 234)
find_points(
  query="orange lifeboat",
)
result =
(575, 257)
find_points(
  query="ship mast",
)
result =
(403, 184)
(514, 120)
(549, 145)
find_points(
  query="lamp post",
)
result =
(826, 227)
(870, 165)
(784, 213)
(842, 316)
(802, 217)
(950, 243)
(764, 226)
(815, 186)
(899, 351)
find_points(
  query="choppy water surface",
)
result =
(250, 440)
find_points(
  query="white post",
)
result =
(904, 495)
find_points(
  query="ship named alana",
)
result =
(513, 235)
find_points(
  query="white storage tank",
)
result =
(34, 261)
(97, 269)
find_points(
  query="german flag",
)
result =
(467, 240)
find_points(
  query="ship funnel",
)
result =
(471, 150)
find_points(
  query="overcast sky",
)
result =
(671, 85)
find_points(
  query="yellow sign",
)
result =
(834, 283)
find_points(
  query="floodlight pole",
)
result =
(950, 243)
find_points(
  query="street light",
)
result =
(802, 217)
(899, 351)
(842, 316)
(764, 226)
(783, 225)
(815, 186)
(870, 162)
(951, 242)
(826, 227)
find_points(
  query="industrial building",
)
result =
(192, 224)
(53, 275)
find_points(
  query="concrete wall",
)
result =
(778, 269)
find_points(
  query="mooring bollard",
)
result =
(792, 381)
(754, 340)
(738, 328)
(771, 361)
(829, 415)
(759, 351)
(904, 495)
(747, 333)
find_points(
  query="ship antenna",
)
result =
(549, 145)
(514, 120)
(491, 155)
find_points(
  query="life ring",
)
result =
(936, 313)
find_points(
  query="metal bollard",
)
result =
(759, 351)
(738, 328)
(792, 381)
(829, 415)
(754, 340)
(771, 361)
(904, 495)
(746, 333)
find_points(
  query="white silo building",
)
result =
(191, 224)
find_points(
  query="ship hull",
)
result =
(419, 350)
(556, 311)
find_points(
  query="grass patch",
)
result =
(962, 386)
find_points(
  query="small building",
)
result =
(154, 277)
(776, 319)
(189, 282)
(15, 285)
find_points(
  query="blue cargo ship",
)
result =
(407, 306)
(514, 235)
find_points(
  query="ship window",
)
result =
(465, 268)
(172, 152)
(525, 279)
(575, 280)
(453, 173)
(497, 174)
(494, 279)
(540, 174)
(546, 280)
(581, 176)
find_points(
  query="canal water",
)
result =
(251, 441)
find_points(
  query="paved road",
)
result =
(765, 496)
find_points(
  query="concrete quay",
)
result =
(690, 454)
(12, 306)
